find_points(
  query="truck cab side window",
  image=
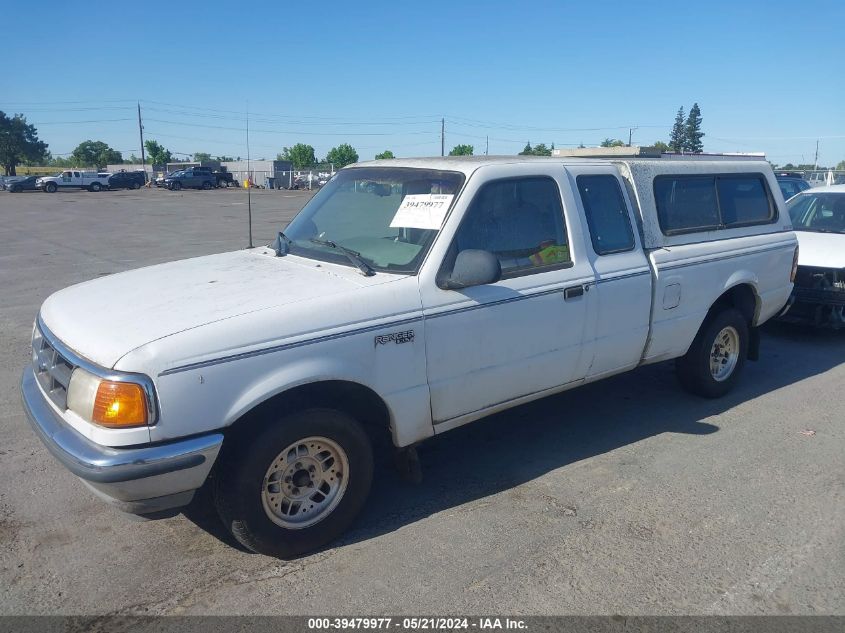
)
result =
(520, 221)
(607, 214)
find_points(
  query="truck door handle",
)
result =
(572, 292)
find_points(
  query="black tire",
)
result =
(95, 187)
(176, 186)
(50, 187)
(222, 184)
(136, 185)
(239, 482)
(15, 189)
(694, 368)
(207, 185)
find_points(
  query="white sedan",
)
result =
(818, 217)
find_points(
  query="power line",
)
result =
(79, 122)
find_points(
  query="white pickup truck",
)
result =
(407, 298)
(74, 179)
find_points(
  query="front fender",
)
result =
(300, 372)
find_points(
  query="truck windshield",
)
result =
(388, 216)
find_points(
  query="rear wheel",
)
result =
(95, 186)
(14, 189)
(50, 187)
(295, 485)
(715, 359)
(136, 185)
(207, 185)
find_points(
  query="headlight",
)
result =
(105, 402)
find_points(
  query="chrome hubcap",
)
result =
(724, 353)
(305, 482)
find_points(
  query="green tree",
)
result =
(301, 155)
(541, 150)
(157, 153)
(342, 155)
(660, 145)
(678, 138)
(462, 150)
(612, 142)
(225, 159)
(95, 154)
(202, 157)
(19, 143)
(527, 150)
(692, 131)
(385, 154)
(840, 166)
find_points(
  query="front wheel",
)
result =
(176, 186)
(295, 485)
(207, 185)
(50, 187)
(136, 185)
(715, 359)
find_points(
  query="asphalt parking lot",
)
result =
(626, 496)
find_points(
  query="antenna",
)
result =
(248, 179)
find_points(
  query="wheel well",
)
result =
(361, 402)
(742, 297)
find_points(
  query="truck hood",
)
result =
(106, 318)
(824, 250)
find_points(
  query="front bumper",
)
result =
(141, 480)
(820, 307)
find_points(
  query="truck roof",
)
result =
(468, 164)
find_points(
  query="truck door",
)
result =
(524, 335)
(623, 275)
(77, 179)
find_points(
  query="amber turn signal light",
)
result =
(120, 405)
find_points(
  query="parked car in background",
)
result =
(818, 217)
(127, 180)
(791, 184)
(161, 178)
(26, 183)
(190, 179)
(5, 181)
(73, 179)
(222, 177)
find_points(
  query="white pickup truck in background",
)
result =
(74, 179)
(407, 298)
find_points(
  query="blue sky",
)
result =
(768, 76)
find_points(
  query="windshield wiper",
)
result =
(352, 256)
(282, 244)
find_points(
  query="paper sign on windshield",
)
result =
(422, 211)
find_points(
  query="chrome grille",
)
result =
(52, 370)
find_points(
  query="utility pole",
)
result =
(631, 134)
(487, 146)
(443, 136)
(141, 132)
(248, 178)
(816, 162)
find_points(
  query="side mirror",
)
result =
(473, 268)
